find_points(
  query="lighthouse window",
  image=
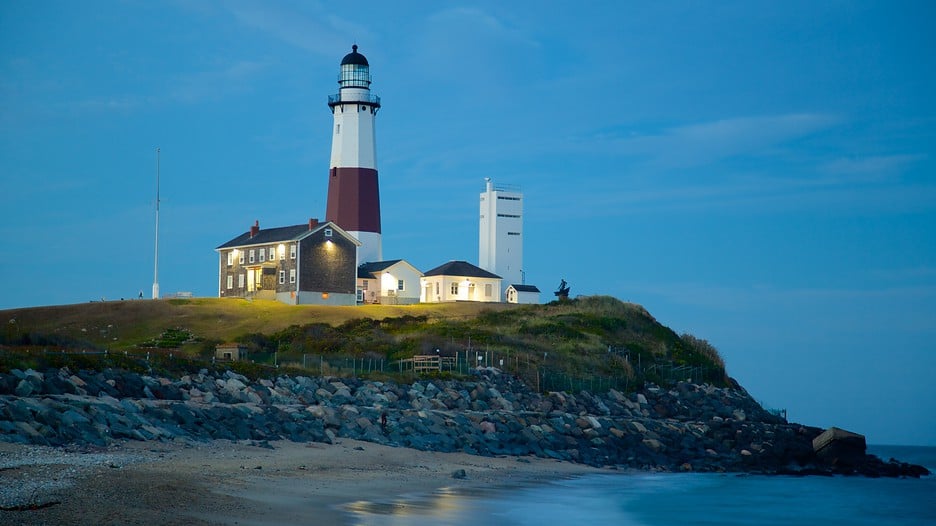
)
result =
(337, 129)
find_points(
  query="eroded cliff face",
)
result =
(689, 427)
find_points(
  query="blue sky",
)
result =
(759, 174)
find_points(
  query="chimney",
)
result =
(255, 229)
(313, 223)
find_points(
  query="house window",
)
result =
(240, 281)
(364, 285)
(241, 259)
(437, 288)
(252, 257)
(292, 251)
(282, 252)
(262, 255)
(328, 232)
(230, 258)
(272, 254)
(399, 284)
(292, 275)
(488, 290)
(230, 281)
(455, 289)
(282, 277)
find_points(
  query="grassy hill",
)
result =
(568, 345)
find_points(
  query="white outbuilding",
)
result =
(459, 281)
(523, 294)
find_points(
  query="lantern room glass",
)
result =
(354, 76)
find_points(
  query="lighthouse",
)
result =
(353, 194)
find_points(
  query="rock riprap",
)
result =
(686, 428)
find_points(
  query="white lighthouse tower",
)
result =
(353, 194)
(500, 234)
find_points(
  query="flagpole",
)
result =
(156, 252)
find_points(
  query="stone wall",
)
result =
(689, 427)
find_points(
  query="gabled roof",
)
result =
(366, 269)
(460, 268)
(372, 268)
(524, 288)
(282, 233)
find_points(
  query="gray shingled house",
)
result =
(313, 263)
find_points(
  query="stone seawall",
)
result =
(689, 427)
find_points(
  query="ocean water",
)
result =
(652, 499)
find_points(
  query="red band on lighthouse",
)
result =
(354, 199)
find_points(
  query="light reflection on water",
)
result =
(441, 507)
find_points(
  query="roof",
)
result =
(282, 233)
(371, 267)
(268, 235)
(524, 288)
(460, 268)
(354, 57)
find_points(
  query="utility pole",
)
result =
(156, 252)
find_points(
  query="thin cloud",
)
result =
(706, 143)
(874, 168)
(233, 78)
(316, 34)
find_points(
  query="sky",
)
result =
(757, 174)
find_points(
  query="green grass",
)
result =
(579, 342)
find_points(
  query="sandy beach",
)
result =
(245, 483)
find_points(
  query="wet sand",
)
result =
(243, 483)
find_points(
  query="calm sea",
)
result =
(680, 499)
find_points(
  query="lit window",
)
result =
(252, 256)
(399, 284)
(292, 275)
(282, 252)
(455, 289)
(230, 259)
(292, 251)
(240, 281)
(282, 277)
(230, 281)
